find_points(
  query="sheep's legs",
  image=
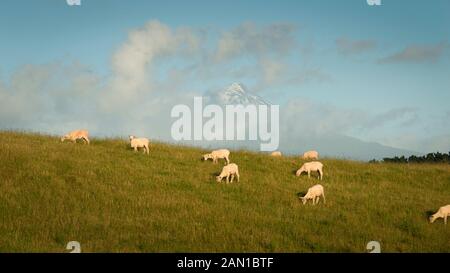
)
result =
(309, 174)
(445, 219)
(232, 178)
(323, 196)
(237, 175)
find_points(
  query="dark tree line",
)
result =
(429, 158)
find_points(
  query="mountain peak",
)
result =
(237, 93)
(236, 87)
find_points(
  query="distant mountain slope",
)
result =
(343, 146)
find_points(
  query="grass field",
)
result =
(111, 199)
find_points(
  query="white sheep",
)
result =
(314, 166)
(142, 142)
(314, 194)
(227, 171)
(77, 134)
(311, 155)
(276, 154)
(218, 154)
(443, 212)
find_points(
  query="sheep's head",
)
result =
(303, 200)
(64, 137)
(299, 171)
(207, 156)
(432, 218)
(132, 137)
(219, 178)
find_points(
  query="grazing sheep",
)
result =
(227, 171)
(311, 155)
(314, 166)
(139, 143)
(314, 194)
(218, 154)
(276, 154)
(77, 134)
(443, 212)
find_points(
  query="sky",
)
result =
(345, 68)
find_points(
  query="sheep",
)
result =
(136, 143)
(227, 171)
(311, 155)
(311, 166)
(77, 134)
(276, 154)
(218, 154)
(314, 194)
(443, 212)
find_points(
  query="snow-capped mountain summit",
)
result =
(236, 93)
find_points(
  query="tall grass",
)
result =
(111, 199)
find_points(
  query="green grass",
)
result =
(111, 199)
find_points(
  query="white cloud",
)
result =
(48, 97)
(132, 62)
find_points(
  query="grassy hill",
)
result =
(111, 199)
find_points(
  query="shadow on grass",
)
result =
(428, 213)
(301, 194)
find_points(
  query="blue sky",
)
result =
(386, 67)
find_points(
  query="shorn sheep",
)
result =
(77, 134)
(309, 167)
(314, 193)
(218, 154)
(276, 154)
(227, 171)
(311, 155)
(142, 142)
(443, 212)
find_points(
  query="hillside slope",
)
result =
(111, 199)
